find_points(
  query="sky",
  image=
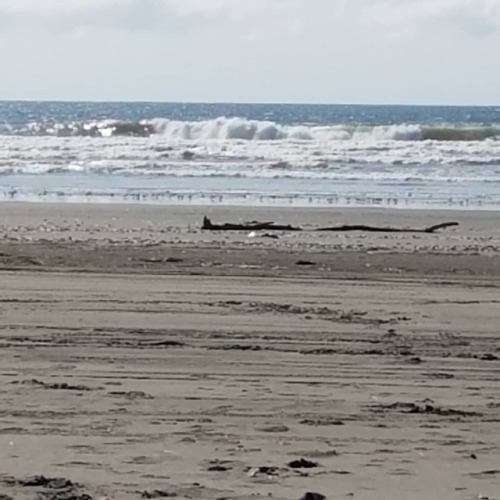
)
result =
(306, 51)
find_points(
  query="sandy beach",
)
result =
(143, 357)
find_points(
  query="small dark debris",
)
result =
(157, 494)
(473, 456)
(263, 469)
(54, 488)
(240, 347)
(163, 343)
(406, 352)
(441, 411)
(372, 352)
(54, 483)
(268, 470)
(440, 375)
(492, 472)
(62, 495)
(302, 463)
(489, 357)
(274, 428)
(56, 386)
(160, 260)
(426, 408)
(319, 351)
(5, 497)
(321, 421)
(415, 361)
(218, 468)
(313, 496)
(131, 394)
(305, 263)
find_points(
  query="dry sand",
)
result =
(140, 354)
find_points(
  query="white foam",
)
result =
(307, 153)
(253, 130)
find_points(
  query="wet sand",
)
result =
(143, 357)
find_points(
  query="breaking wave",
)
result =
(254, 130)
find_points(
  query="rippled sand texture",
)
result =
(142, 357)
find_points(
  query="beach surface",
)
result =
(142, 357)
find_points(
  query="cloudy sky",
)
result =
(326, 51)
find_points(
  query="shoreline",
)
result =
(142, 238)
(223, 206)
(299, 204)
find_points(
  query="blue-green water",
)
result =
(405, 156)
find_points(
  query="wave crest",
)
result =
(243, 129)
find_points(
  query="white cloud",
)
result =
(399, 16)
(251, 50)
(409, 17)
(176, 15)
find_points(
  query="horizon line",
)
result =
(247, 103)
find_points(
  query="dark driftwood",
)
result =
(271, 226)
(252, 226)
(377, 229)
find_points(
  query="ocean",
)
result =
(251, 154)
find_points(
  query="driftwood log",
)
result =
(251, 226)
(379, 229)
(271, 226)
